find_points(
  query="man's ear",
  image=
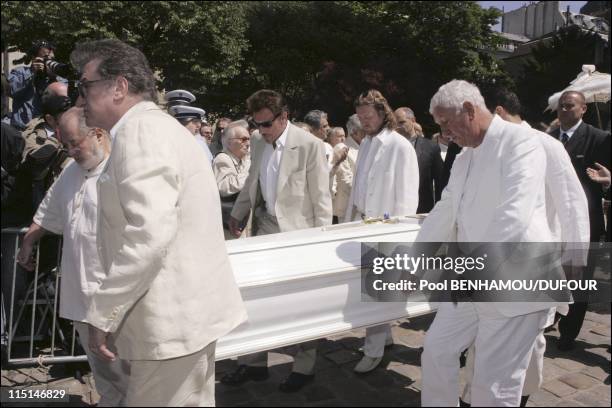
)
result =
(469, 108)
(121, 87)
(99, 133)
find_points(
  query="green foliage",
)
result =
(319, 54)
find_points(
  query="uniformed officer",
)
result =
(191, 117)
(179, 97)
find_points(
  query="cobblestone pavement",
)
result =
(577, 378)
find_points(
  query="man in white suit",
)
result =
(386, 182)
(167, 296)
(565, 200)
(496, 193)
(287, 189)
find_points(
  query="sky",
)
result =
(512, 5)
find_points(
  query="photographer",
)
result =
(27, 84)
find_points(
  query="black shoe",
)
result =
(564, 344)
(524, 400)
(464, 404)
(245, 373)
(295, 382)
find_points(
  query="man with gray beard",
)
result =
(70, 208)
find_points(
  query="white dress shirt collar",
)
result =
(126, 115)
(282, 139)
(570, 131)
(96, 170)
(270, 169)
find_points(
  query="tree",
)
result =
(191, 45)
(321, 55)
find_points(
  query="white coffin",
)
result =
(306, 284)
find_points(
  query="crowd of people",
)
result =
(126, 180)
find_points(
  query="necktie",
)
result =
(564, 138)
(274, 145)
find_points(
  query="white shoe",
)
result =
(388, 344)
(367, 364)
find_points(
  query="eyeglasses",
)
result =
(82, 86)
(241, 139)
(266, 124)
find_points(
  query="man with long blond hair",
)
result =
(386, 183)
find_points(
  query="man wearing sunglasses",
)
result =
(287, 189)
(168, 291)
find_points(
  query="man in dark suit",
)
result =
(586, 145)
(431, 167)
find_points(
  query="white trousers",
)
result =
(376, 339)
(111, 378)
(187, 381)
(533, 377)
(503, 350)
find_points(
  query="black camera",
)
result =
(57, 68)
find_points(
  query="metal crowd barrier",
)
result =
(34, 333)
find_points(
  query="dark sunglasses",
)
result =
(82, 86)
(266, 124)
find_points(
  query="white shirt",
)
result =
(70, 208)
(443, 150)
(269, 170)
(368, 148)
(120, 122)
(570, 132)
(471, 183)
(329, 155)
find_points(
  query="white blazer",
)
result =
(507, 203)
(393, 180)
(169, 289)
(567, 208)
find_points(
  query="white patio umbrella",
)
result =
(594, 85)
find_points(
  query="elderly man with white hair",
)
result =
(496, 193)
(231, 167)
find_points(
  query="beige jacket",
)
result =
(303, 199)
(169, 289)
(230, 172)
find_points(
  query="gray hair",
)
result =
(314, 118)
(335, 129)
(353, 124)
(118, 59)
(453, 94)
(230, 130)
(408, 112)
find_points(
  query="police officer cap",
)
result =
(187, 112)
(179, 97)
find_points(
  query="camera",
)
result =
(57, 68)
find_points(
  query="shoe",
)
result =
(245, 373)
(388, 345)
(524, 399)
(295, 382)
(367, 364)
(565, 344)
(464, 404)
